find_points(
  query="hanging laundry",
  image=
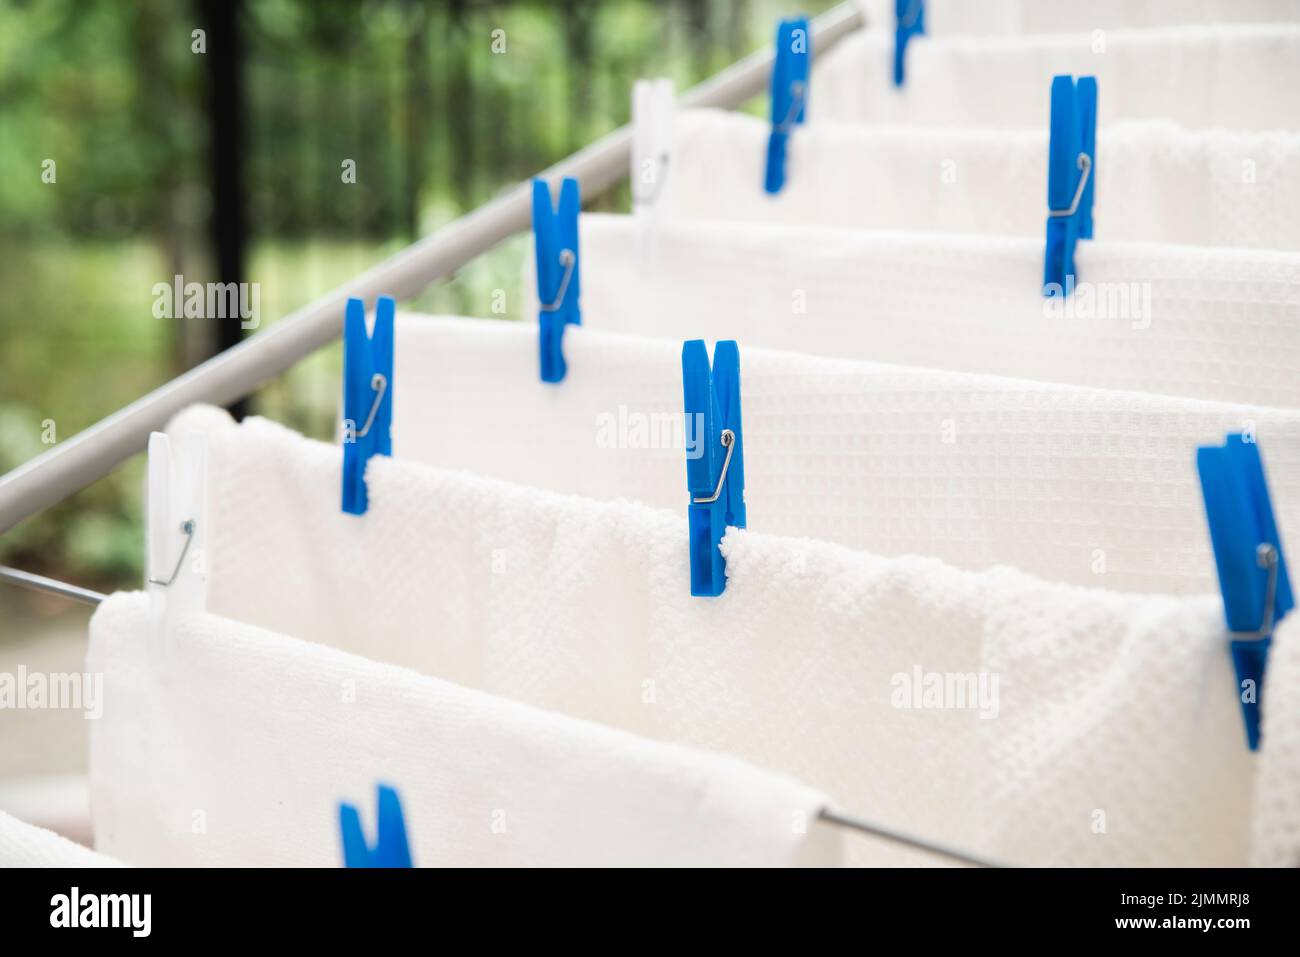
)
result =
(1031, 722)
(1240, 77)
(1085, 486)
(1089, 487)
(1276, 836)
(265, 734)
(1055, 16)
(1155, 182)
(25, 845)
(1201, 322)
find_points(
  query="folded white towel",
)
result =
(1085, 486)
(1207, 323)
(1155, 182)
(1034, 723)
(264, 734)
(24, 845)
(1239, 76)
(1056, 16)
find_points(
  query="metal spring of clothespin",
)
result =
(1071, 178)
(367, 396)
(789, 94)
(715, 458)
(909, 20)
(176, 532)
(390, 849)
(555, 241)
(1250, 560)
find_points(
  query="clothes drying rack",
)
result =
(239, 371)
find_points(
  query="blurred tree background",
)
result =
(148, 136)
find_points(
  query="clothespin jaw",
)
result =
(1071, 175)
(390, 849)
(555, 239)
(789, 96)
(367, 396)
(715, 458)
(652, 130)
(177, 528)
(909, 20)
(1250, 560)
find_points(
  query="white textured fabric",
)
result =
(1207, 323)
(1112, 735)
(1092, 487)
(264, 734)
(1276, 841)
(24, 845)
(1239, 76)
(1056, 16)
(1155, 182)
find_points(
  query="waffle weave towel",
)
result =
(1238, 76)
(1092, 487)
(1030, 722)
(265, 734)
(1155, 182)
(1204, 323)
(1276, 841)
(1056, 16)
(24, 845)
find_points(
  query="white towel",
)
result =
(1241, 77)
(1086, 486)
(1155, 182)
(1112, 736)
(1276, 840)
(1206, 323)
(25, 845)
(265, 734)
(1056, 16)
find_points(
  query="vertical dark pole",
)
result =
(738, 30)
(416, 109)
(225, 110)
(459, 115)
(578, 44)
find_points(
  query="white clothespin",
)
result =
(652, 132)
(176, 567)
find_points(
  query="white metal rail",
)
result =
(91, 454)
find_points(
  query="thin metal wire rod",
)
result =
(899, 837)
(91, 454)
(52, 586)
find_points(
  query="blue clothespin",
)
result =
(715, 457)
(391, 848)
(789, 94)
(555, 238)
(1252, 567)
(367, 396)
(909, 19)
(1071, 175)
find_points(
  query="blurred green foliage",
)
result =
(412, 91)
